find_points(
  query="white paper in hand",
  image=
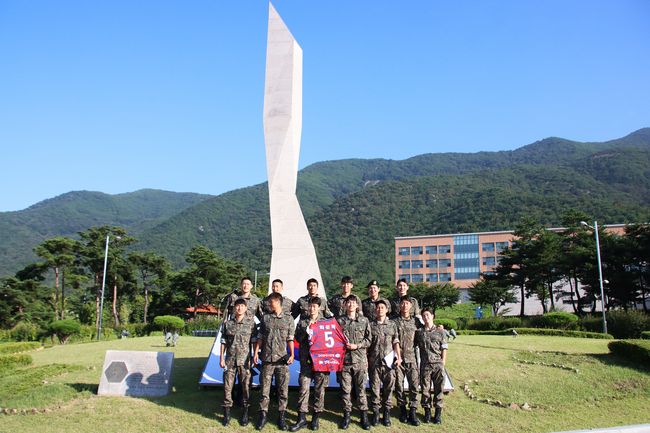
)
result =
(388, 359)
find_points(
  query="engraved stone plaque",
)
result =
(138, 374)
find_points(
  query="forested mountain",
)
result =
(69, 213)
(355, 207)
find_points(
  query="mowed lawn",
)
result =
(569, 384)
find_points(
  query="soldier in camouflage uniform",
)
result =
(307, 374)
(433, 354)
(301, 306)
(356, 329)
(337, 303)
(253, 302)
(275, 333)
(385, 340)
(406, 326)
(402, 289)
(368, 307)
(287, 304)
(236, 337)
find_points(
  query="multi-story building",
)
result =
(458, 258)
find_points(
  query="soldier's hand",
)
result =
(290, 360)
(398, 362)
(222, 363)
(256, 359)
(352, 346)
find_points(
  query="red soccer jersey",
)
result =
(327, 345)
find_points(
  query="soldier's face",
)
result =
(381, 310)
(373, 291)
(275, 304)
(312, 288)
(351, 305)
(240, 309)
(276, 287)
(405, 307)
(402, 288)
(428, 318)
(246, 286)
(313, 310)
(346, 287)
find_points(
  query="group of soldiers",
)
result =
(382, 339)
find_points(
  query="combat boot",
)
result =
(302, 422)
(314, 421)
(403, 414)
(386, 420)
(364, 420)
(346, 421)
(437, 418)
(374, 419)
(226, 416)
(261, 421)
(243, 421)
(413, 416)
(282, 421)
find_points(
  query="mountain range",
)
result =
(355, 207)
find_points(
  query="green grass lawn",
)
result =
(540, 371)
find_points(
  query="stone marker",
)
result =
(138, 374)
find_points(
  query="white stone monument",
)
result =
(293, 259)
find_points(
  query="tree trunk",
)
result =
(196, 301)
(643, 292)
(116, 317)
(56, 293)
(575, 285)
(146, 303)
(523, 296)
(98, 293)
(550, 294)
(63, 295)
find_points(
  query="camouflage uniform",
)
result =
(275, 332)
(395, 310)
(321, 379)
(287, 305)
(369, 308)
(382, 377)
(237, 338)
(253, 305)
(355, 363)
(431, 343)
(409, 367)
(337, 305)
(301, 308)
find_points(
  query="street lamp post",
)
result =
(600, 271)
(101, 300)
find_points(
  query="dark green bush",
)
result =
(494, 323)
(137, 329)
(9, 348)
(592, 323)
(540, 331)
(206, 323)
(645, 335)
(447, 323)
(169, 323)
(634, 350)
(627, 324)
(9, 362)
(25, 331)
(555, 320)
(63, 329)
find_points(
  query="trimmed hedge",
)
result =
(447, 323)
(633, 350)
(10, 348)
(63, 329)
(555, 320)
(169, 322)
(627, 324)
(494, 323)
(645, 335)
(540, 331)
(8, 362)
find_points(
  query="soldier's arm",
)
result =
(327, 313)
(443, 351)
(295, 310)
(367, 337)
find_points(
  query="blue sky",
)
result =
(122, 95)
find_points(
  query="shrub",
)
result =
(540, 331)
(202, 324)
(19, 347)
(8, 362)
(447, 323)
(137, 329)
(645, 335)
(25, 331)
(637, 351)
(555, 320)
(627, 324)
(168, 323)
(494, 323)
(592, 323)
(63, 329)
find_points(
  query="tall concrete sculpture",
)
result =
(294, 258)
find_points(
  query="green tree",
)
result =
(24, 300)
(490, 292)
(153, 270)
(639, 237)
(59, 255)
(435, 296)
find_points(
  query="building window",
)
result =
(404, 264)
(472, 275)
(444, 249)
(444, 263)
(406, 277)
(416, 264)
(502, 246)
(416, 251)
(404, 251)
(432, 250)
(417, 278)
(432, 263)
(489, 261)
(432, 278)
(445, 277)
(488, 246)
